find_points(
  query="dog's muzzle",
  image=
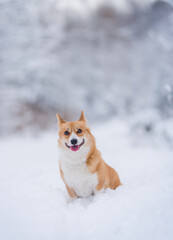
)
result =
(75, 147)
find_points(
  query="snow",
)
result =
(34, 203)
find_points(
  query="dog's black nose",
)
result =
(73, 141)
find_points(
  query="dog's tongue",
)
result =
(74, 148)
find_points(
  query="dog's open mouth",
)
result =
(75, 147)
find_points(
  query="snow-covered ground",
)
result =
(34, 203)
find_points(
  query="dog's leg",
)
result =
(114, 178)
(71, 192)
(97, 192)
(102, 177)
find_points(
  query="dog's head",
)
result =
(75, 136)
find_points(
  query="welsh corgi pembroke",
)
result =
(82, 168)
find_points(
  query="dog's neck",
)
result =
(70, 157)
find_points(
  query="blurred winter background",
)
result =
(108, 57)
(114, 60)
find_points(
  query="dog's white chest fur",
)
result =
(77, 175)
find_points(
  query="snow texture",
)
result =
(34, 203)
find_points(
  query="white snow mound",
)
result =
(34, 203)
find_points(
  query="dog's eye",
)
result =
(79, 130)
(66, 133)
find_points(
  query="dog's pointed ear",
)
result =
(82, 117)
(60, 120)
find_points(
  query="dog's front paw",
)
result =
(96, 192)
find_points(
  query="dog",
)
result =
(82, 168)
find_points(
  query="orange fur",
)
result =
(106, 175)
